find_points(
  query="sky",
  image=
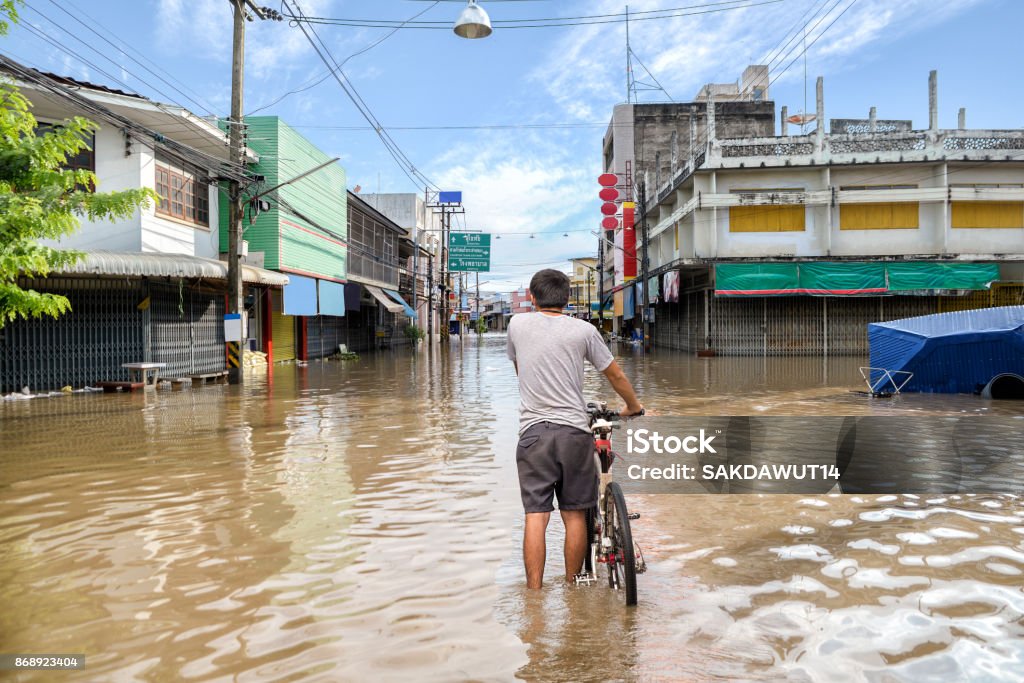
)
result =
(515, 121)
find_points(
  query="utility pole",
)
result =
(644, 264)
(445, 284)
(236, 131)
(236, 304)
(478, 301)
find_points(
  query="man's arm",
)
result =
(623, 388)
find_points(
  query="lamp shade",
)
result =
(473, 22)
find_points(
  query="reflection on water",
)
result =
(358, 520)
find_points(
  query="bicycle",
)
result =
(608, 532)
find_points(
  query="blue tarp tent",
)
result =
(951, 353)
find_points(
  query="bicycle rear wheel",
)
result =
(623, 572)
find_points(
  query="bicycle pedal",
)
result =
(584, 579)
(633, 515)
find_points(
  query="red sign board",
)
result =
(608, 180)
(628, 241)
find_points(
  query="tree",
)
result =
(42, 199)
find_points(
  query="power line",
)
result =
(123, 52)
(410, 171)
(816, 39)
(51, 88)
(315, 82)
(771, 55)
(550, 22)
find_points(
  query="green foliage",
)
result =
(414, 332)
(8, 13)
(481, 326)
(39, 199)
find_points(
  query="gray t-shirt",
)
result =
(549, 352)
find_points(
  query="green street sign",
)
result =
(469, 252)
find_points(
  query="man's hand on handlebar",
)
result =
(635, 411)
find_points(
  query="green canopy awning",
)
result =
(850, 278)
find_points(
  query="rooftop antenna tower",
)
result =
(633, 86)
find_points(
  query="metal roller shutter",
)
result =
(283, 332)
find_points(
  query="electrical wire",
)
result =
(313, 83)
(52, 89)
(548, 22)
(406, 165)
(194, 100)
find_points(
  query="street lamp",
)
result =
(473, 22)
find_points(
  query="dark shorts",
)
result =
(556, 460)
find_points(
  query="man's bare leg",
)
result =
(534, 551)
(575, 522)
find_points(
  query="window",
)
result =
(986, 214)
(879, 215)
(184, 192)
(767, 217)
(85, 160)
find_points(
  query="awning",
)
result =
(851, 278)
(383, 299)
(153, 264)
(300, 296)
(331, 297)
(397, 297)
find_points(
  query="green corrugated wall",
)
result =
(287, 241)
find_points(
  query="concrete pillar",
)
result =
(693, 136)
(933, 100)
(873, 119)
(820, 94)
(784, 127)
(711, 117)
(961, 119)
(675, 151)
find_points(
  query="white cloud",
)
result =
(514, 183)
(584, 72)
(195, 27)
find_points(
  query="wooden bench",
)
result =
(218, 377)
(148, 373)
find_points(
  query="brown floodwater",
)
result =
(361, 521)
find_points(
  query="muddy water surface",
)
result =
(361, 521)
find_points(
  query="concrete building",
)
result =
(410, 211)
(304, 234)
(583, 280)
(497, 309)
(791, 244)
(150, 287)
(650, 144)
(519, 301)
(375, 266)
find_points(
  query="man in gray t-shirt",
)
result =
(555, 455)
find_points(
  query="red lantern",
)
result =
(607, 180)
(609, 194)
(610, 223)
(609, 209)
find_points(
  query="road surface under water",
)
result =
(361, 521)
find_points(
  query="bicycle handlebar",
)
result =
(597, 412)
